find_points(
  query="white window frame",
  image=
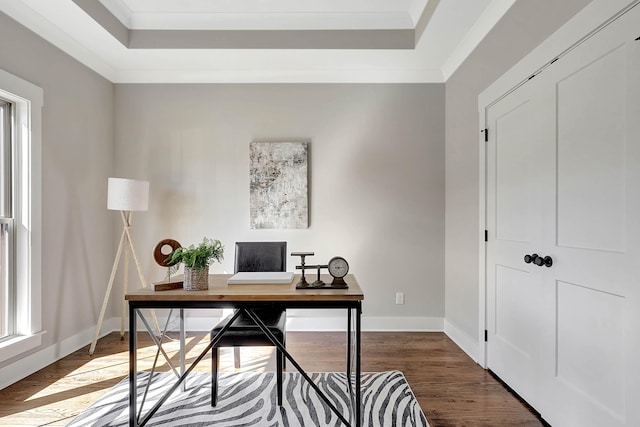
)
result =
(27, 102)
(7, 323)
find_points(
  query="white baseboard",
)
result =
(32, 363)
(466, 342)
(402, 324)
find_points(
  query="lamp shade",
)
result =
(127, 195)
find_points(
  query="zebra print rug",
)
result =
(249, 399)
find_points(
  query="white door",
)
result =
(514, 300)
(563, 181)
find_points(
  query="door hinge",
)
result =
(486, 336)
(486, 235)
(486, 134)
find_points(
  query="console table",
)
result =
(246, 298)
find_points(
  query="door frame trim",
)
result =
(582, 26)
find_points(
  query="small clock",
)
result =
(338, 268)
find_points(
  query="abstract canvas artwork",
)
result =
(278, 185)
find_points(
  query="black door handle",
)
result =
(530, 258)
(546, 261)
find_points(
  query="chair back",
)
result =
(261, 256)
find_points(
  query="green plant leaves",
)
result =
(196, 256)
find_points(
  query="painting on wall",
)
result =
(278, 185)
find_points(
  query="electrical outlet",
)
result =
(399, 297)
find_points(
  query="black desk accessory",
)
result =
(337, 266)
(319, 283)
(302, 284)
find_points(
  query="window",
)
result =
(20, 216)
(7, 247)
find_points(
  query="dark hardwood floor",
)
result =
(451, 388)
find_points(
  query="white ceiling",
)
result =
(228, 41)
(266, 14)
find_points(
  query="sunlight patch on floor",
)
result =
(82, 373)
(252, 359)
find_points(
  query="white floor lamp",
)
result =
(126, 196)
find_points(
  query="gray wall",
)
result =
(77, 156)
(376, 176)
(524, 26)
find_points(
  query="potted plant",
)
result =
(196, 260)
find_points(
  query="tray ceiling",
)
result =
(228, 41)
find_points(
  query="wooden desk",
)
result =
(245, 298)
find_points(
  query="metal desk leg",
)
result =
(349, 349)
(133, 378)
(182, 346)
(358, 366)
